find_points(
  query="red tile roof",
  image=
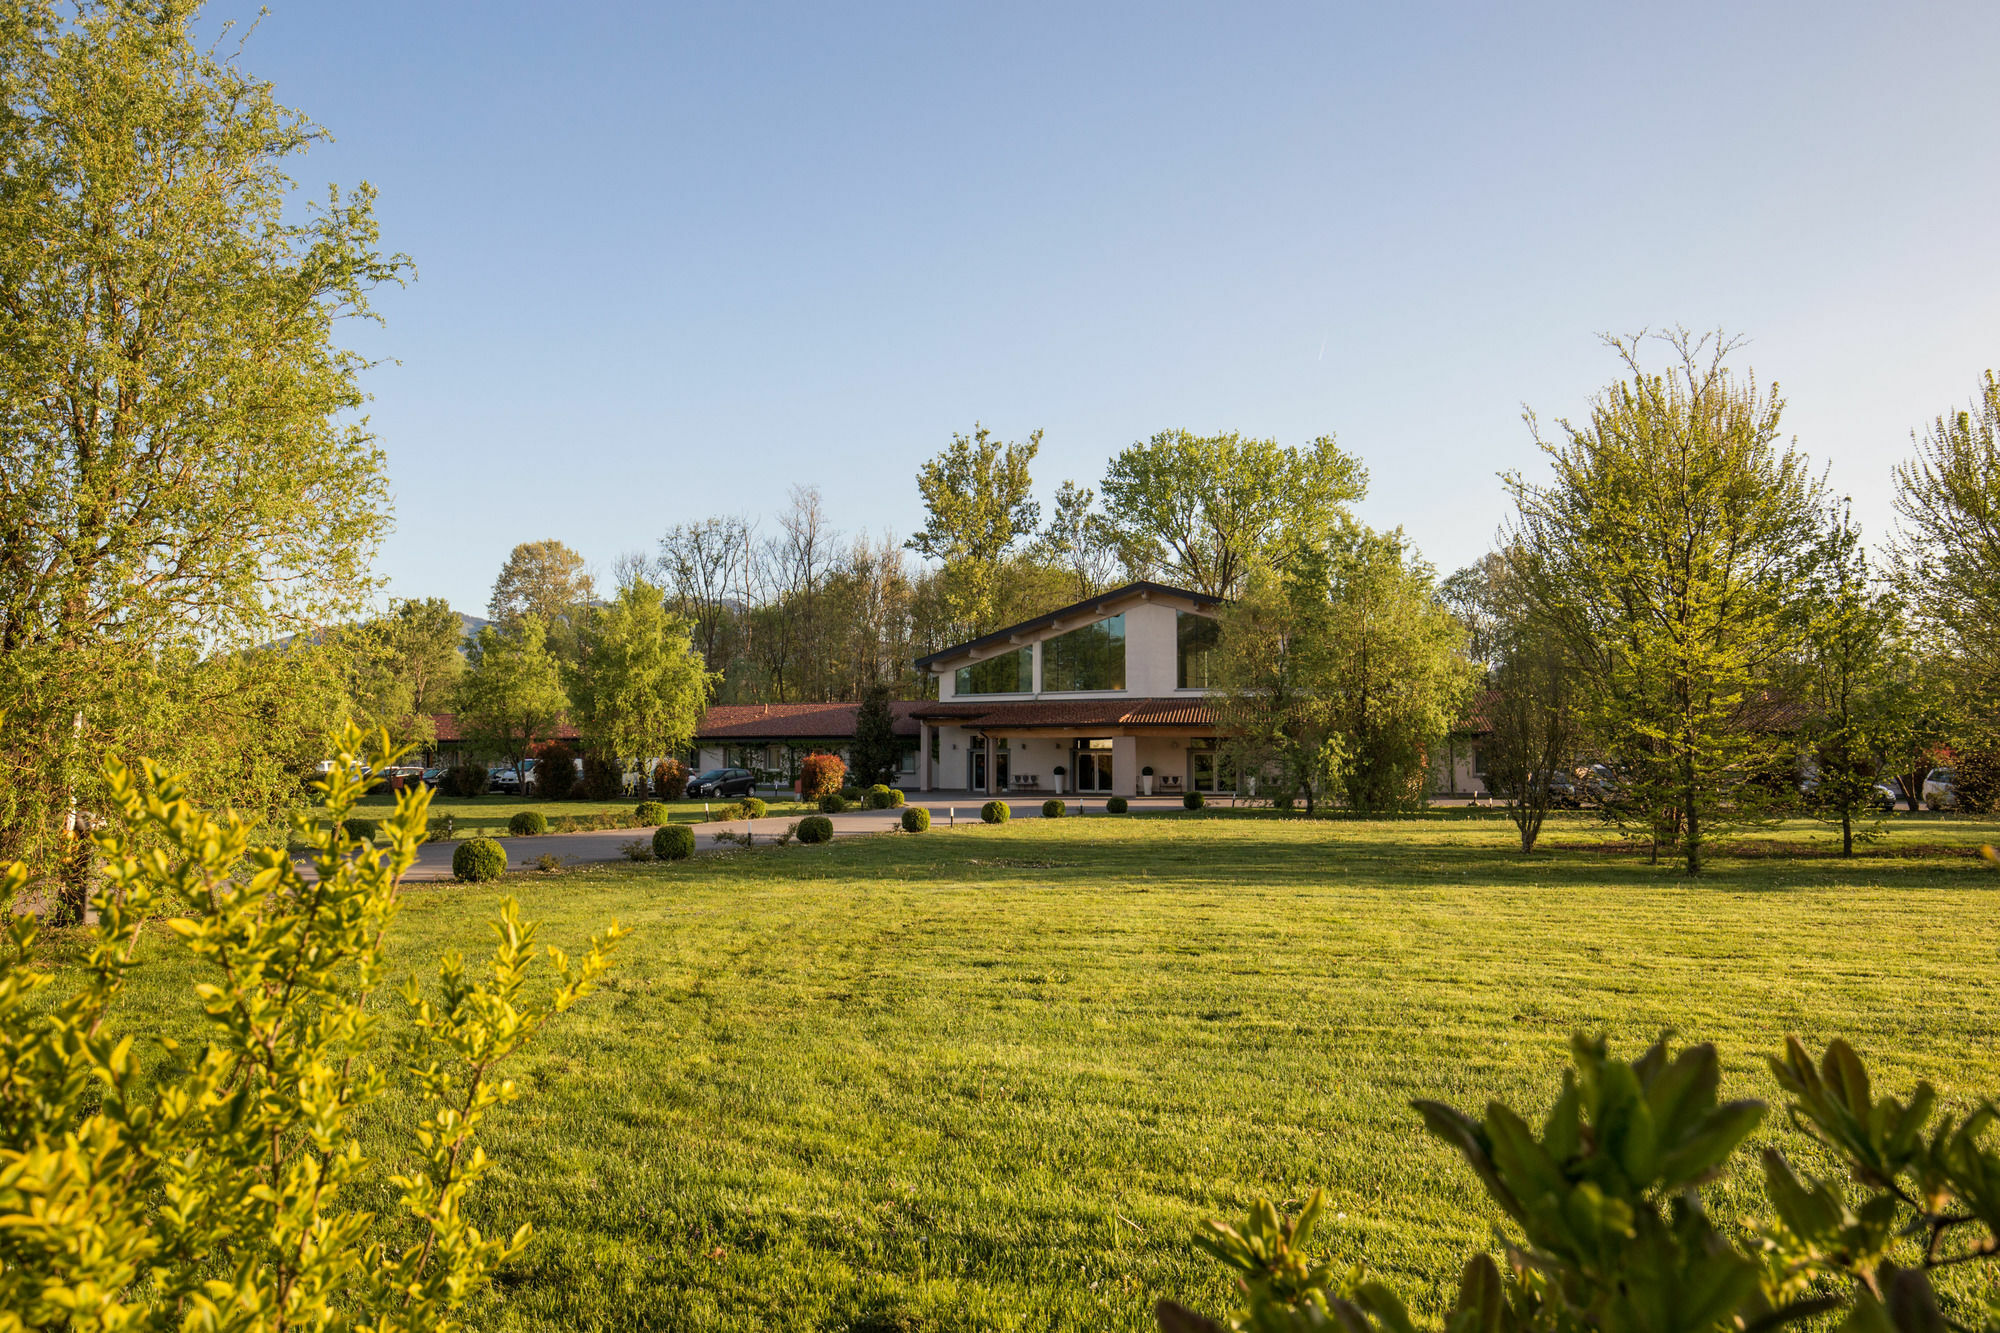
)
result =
(787, 722)
(1071, 713)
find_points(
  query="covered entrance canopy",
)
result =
(1066, 746)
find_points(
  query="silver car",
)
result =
(1939, 793)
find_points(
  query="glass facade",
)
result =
(1090, 658)
(1009, 673)
(1194, 638)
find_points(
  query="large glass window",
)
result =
(1009, 673)
(1091, 658)
(1195, 639)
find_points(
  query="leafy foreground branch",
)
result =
(209, 1193)
(1606, 1228)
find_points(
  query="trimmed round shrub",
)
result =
(1284, 802)
(478, 860)
(896, 798)
(832, 803)
(996, 812)
(815, 828)
(1116, 806)
(880, 797)
(1053, 808)
(528, 824)
(916, 819)
(851, 795)
(753, 807)
(651, 812)
(1193, 800)
(358, 828)
(673, 842)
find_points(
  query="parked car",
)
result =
(433, 776)
(1940, 791)
(721, 782)
(510, 783)
(1888, 794)
(402, 776)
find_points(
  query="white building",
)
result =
(1108, 696)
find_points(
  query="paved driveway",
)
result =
(434, 859)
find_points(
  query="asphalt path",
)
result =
(434, 859)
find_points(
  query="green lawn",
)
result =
(991, 1079)
(487, 816)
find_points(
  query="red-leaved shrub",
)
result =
(820, 774)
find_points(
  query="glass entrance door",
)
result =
(975, 768)
(1093, 766)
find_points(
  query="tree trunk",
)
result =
(1847, 832)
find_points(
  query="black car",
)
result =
(721, 782)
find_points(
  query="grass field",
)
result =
(487, 816)
(992, 1079)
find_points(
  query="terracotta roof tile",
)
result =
(1072, 713)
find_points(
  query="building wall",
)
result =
(1152, 666)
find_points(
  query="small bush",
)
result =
(528, 824)
(1193, 800)
(832, 803)
(478, 860)
(896, 798)
(594, 823)
(639, 849)
(359, 829)
(548, 863)
(852, 795)
(879, 797)
(815, 828)
(670, 780)
(673, 842)
(791, 831)
(1053, 808)
(440, 828)
(996, 812)
(1283, 802)
(820, 774)
(602, 780)
(467, 780)
(753, 807)
(555, 772)
(1116, 806)
(916, 819)
(651, 813)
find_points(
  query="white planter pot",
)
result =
(1145, 785)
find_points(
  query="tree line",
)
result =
(191, 500)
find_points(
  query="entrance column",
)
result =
(992, 760)
(923, 756)
(1125, 765)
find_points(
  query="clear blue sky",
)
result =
(675, 258)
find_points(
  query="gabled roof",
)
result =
(1143, 588)
(447, 729)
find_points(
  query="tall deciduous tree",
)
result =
(1273, 697)
(1081, 540)
(544, 580)
(1849, 683)
(638, 690)
(1201, 509)
(181, 469)
(511, 697)
(1673, 550)
(1395, 658)
(977, 509)
(1948, 498)
(406, 667)
(1533, 731)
